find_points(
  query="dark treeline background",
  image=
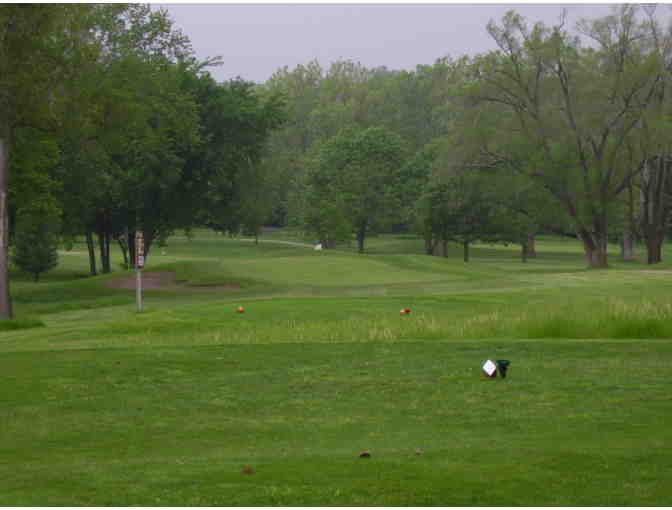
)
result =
(109, 124)
(561, 130)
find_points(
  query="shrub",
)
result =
(36, 238)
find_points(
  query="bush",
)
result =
(36, 239)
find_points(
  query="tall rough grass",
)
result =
(611, 319)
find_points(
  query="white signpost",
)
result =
(139, 264)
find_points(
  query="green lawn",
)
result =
(103, 406)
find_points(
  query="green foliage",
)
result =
(435, 214)
(36, 238)
(355, 184)
(237, 119)
(568, 114)
(460, 205)
(36, 158)
(321, 102)
(416, 172)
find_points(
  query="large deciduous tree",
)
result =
(576, 108)
(236, 118)
(652, 143)
(40, 45)
(128, 127)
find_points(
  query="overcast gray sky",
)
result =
(257, 39)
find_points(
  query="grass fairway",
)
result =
(193, 404)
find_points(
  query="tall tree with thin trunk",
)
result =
(39, 43)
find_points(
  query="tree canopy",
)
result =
(106, 112)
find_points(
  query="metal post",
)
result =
(139, 264)
(138, 288)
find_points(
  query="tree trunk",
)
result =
(656, 206)
(627, 245)
(130, 243)
(530, 247)
(5, 299)
(108, 242)
(595, 244)
(360, 240)
(596, 255)
(124, 251)
(104, 242)
(654, 246)
(523, 251)
(653, 239)
(444, 247)
(148, 237)
(465, 247)
(628, 239)
(90, 245)
(101, 248)
(429, 246)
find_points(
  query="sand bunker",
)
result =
(165, 280)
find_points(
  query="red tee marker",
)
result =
(241, 309)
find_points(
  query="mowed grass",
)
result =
(193, 404)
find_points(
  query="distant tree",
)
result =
(435, 216)
(317, 206)
(255, 200)
(36, 238)
(357, 174)
(413, 179)
(234, 187)
(475, 210)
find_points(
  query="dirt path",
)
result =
(290, 243)
(165, 280)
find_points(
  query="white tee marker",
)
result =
(490, 368)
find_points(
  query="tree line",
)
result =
(557, 130)
(109, 124)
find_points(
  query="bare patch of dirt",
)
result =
(165, 280)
